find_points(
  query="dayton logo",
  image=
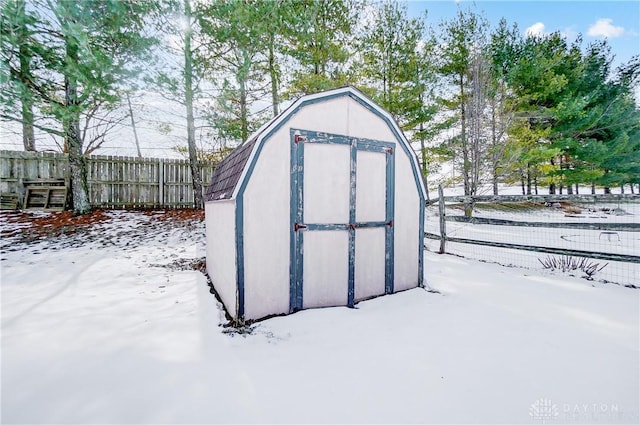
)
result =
(543, 410)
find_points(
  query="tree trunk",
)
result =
(77, 162)
(593, 188)
(577, 189)
(463, 138)
(191, 130)
(26, 98)
(494, 145)
(244, 108)
(133, 125)
(569, 189)
(423, 154)
(552, 186)
(273, 74)
(528, 179)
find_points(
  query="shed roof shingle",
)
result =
(227, 173)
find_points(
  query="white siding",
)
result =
(267, 214)
(406, 225)
(370, 262)
(266, 232)
(371, 183)
(325, 268)
(326, 183)
(221, 250)
(365, 124)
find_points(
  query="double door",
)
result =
(342, 211)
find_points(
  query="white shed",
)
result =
(322, 206)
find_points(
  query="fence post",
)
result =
(161, 183)
(443, 230)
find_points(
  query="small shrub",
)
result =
(567, 263)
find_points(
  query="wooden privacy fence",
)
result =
(114, 181)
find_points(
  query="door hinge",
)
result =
(299, 138)
(298, 226)
(389, 223)
(389, 151)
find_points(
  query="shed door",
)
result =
(341, 219)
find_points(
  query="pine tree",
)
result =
(395, 63)
(83, 53)
(319, 39)
(236, 28)
(17, 45)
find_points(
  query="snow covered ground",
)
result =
(109, 323)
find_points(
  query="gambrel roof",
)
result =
(228, 172)
(229, 175)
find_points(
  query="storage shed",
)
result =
(322, 206)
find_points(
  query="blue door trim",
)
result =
(351, 285)
(239, 260)
(390, 217)
(298, 138)
(269, 131)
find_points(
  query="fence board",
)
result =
(547, 250)
(535, 198)
(114, 181)
(629, 227)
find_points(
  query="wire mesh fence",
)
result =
(592, 236)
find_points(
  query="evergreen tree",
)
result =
(543, 75)
(575, 120)
(596, 123)
(395, 63)
(319, 39)
(83, 53)
(243, 43)
(17, 44)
